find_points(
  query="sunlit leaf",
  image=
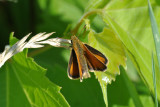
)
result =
(130, 22)
(112, 48)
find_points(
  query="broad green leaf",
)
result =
(133, 17)
(111, 46)
(130, 21)
(23, 83)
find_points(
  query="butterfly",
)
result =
(84, 58)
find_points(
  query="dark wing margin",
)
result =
(73, 70)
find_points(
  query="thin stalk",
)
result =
(74, 31)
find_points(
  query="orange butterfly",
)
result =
(83, 58)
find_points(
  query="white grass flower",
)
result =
(36, 41)
(57, 42)
(2, 56)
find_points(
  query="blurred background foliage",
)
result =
(24, 16)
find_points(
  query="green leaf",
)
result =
(23, 83)
(107, 43)
(130, 21)
(94, 4)
(128, 15)
(131, 88)
(124, 88)
(154, 81)
(12, 39)
(146, 101)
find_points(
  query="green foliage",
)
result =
(146, 101)
(77, 93)
(154, 81)
(112, 48)
(128, 31)
(157, 46)
(23, 83)
(117, 28)
(131, 88)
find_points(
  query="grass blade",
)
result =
(156, 37)
(155, 32)
(154, 81)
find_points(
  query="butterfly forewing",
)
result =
(73, 70)
(95, 59)
(97, 54)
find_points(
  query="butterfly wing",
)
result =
(97, 54)
(95, 59)
(73, 71)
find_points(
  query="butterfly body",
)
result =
(77, 46)
(83, 58)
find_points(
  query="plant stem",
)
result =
(74, 31)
